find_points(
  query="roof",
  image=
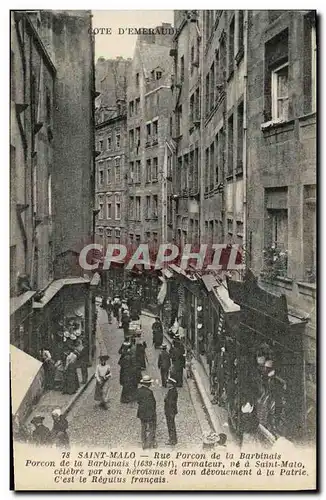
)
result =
(54, 288)
(17, 302)
(154, 56)
(24, 369)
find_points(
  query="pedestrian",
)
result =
(164, 364)
(141, 354)
(128, 377)
(124, 346)
(109, 309)
(177, 354)
(125, 321)
(248, 424)
(222, 439)
(102, 376)
(49, 369)
(116, 308)
(171, 410)
(147, 413)
(41, 435)
(59, 434)
(157, 329)
(70, 381)
(82, 359)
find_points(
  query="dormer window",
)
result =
(158, 75)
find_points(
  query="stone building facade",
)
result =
(111, 221)
(281, 194)
(149, 106)
(51, 173)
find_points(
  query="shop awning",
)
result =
(17, 302)
(55, 287)
(166, 273)
(96, 280)
(24, 369)
(220, 292)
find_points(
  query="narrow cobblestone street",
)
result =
(90, 425)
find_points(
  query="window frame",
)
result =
(274, 91)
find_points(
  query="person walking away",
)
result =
(164, 364)
(71, 382)
(177, 354)
(127, 376)
(125, 321)
(59, 434)
(248, 424)
(124, 346)
(109, 310)
(116, 308)
(171, 410)
(136, 365)
(102, 376)
(141, 354)
(41, 436)
(157, 329)
(147, 413)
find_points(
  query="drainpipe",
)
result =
(202, 123)
(245, 165)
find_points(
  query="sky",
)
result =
(113, 45)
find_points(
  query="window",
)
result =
(109, 232)
(100, 206)
(230, 145)
(171, 126)
(279, 219)
(148, 132)
(280, 93)
(118, 234)
(131, 208)
(231, 48)
(309, 233)
(131, 139)
(195, 175)
(230, 226)
(222, 58)
(138, 239)
(240, 139)
(109, 143)
(276, 230)
(117, 170)
(206, 170)
(138, 218)
(212, 87)
(108, 208)
(186, 172)
(137, 137)
(276, 96)
(117, 207)
(217, 162)
(148, 207)
(155, 130)
(137, 79)
(48, 107)
(148, 236)
(192, 107)
(108, 172)
(137, 173)
(310, 63)
(148, 170)
(118, 140)
(155, 169)
(207, 100)
(155, 206)
(137, 105)
(100, 145)
(212, 166)
(131, 172)
(179, 120)
(158, 75)
(131, 108)
(241, 31)
(197, 105)
(182, 69)
(192, 59)
(101, 177)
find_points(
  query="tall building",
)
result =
(51, 175)
(112, 155)
(281, 194)
(149, 108)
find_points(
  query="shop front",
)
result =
(264, 356)
(64, 317)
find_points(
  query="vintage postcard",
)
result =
(163, 249)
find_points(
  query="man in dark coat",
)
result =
(128, 377)
(164, 363)
(41, 435)
(171, 410)
(177, 354)
(59, 434)
(125, 321)
(147, 413)
(157, 330)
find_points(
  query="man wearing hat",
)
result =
(171, 410)
(41, 435)
(164, 363)
(147, 412)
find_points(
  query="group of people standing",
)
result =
(41, 435)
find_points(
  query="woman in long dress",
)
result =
(71, 381)
(102, 376)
